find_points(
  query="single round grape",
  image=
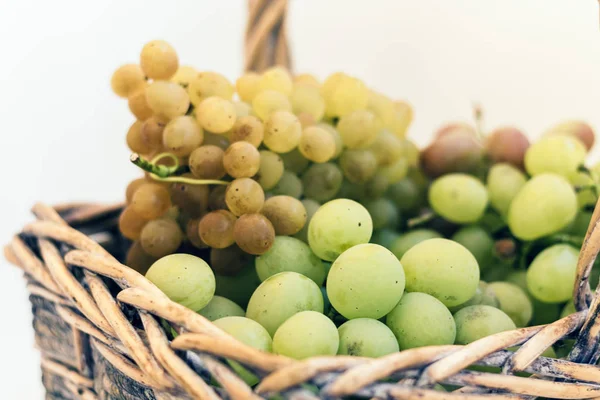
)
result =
(546, 204)
(185, 279)
(459, 198)
(206, 162)
(151, 201)
(579, 225)
(453, 127)
(407, 240)
(246, 331)
(270, 170)
(241, 160)
(209, 84)
(159, 60)
(405, 194)
(507, 145)
(383, 213)
(289, 185)
(138, 259)
(322, 182)
(504, 181)
(442, 268)
(366, 337)
(135, 141)
(268, 102)
(131, 223)
(306, 99)
(513, 301)
(358, 165)
(352, 191)
(311, 207)
(337, 226)
(282, 132)
(384, 237)
(306, 334)
(568, 309)
(247, 86)
(254, 233)
(220, 307)
(230, 261)
(396, 171)
(421, 320)
(182, 135)
(585, 186)
(483, 295)
(307, 79)
(359, 129)
(411, 153)
(290, 254)
(248, 129)
(294, 161)
(337, 138)
(558, 154)
(167, 99)
(343, 94)
(161, 237)
(456, 151)
(242, 110)
(276, 78)
(365, 281)
(387, 148)
(184, 75)
(382, 106)
(286, 213)
(281, 296)
(191, 199)
(244, 196)
(316, 144)
(551, 275)
(216, 229)
(216, 114)
(152, 133)
(376, 187)
(127, 80)
(138, 105)
(479, 242)
(401, 119)
(239, 287)
(476, 322)
(578, 129)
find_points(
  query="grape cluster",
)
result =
(299, 218)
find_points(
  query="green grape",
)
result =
(238, 288)
(551, 275)
(479, 242)
(294, 161)
(213, 139)
(270, 170)
(558, 154)
(442, 268)
(568, 309)
(376, 187)
(182, 135)
(306, 98)
(248, 129)
(127, 80)
(343, 94)
(578, 129)
(286, 213)
(311, 208)
(281, 296)
(289, 185)
(269, 102)
(459, 198)
(383, 213)
(482, 295)
(282, 132)
(276, 78)
(247, 86)
(543, 313)
(338, 225)
(209, 84)
(358, 165)
(358, 129)
(503, 183)
(352, 191)
(513, 301)
(322, 182)
(421, 320)
(216, 115)
(382, 106)
(161, 237)
(407, 240)
(384, 237)
(220, 307)
(290, 254)
(337, 138)
(396, 171)
(306, 334)
(545, 205)
(401, 119)
(366, 337)
(405, 194)
(317, 144)
(388, 148)
(185, 279)
(366, 280)
(476, 322)
(159, 60)
(167, 99)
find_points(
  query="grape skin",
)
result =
(220, 307)
(254, 233)
(127, 80)
(557, 154)
(216, 229)
(366, 337)
(161, 237)
(159, 60)
(513, 301)
(503, 183)
(306, 334)
(459, 198)
(241, 160)
(244, 196)
(286, 213)
(551, 275)
(476, 322)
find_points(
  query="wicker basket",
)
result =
(97, 321)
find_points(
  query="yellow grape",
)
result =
(337, 138)
(382, 107)
(167, 99)
(307, 79)
(151, 201)
(267, 102)
(161, 237)
(242, 109)
(159, 60)
(182, 135)
(184, 75)
(282, 132)
(249, 129)
(152, 133)
(216, 229)
(131, 223)
(241, 160)
(132, 187)
(127, 80)
(316, 144)
(286, 213)
(138, 105)
(359, 129)
(344, 95)
(247, 86)
(387, 147)
(558, 154)
(209, 84)
(276, 78)
(306, 119)
(401, 119)
(206, 162)
(270, 171)
(216, 114)
(307, 99)
(244, 196)
(135, 141)
(213, 139)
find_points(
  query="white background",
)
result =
(528, 62)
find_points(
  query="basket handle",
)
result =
(266, 38)
(582, 295)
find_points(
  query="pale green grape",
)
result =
(306, 98)
(220, 307)
(578, 129)
(503, 183)
(407, 240)
(558, 154)
(281, 296)
(289, 185)
(282, 131)
(322, 181)
(276, 78)
(382, 106)
(376, 187)
(294, 161)
(268, 102)
(388, 148)
(337, 226)
(586, 195)
(459, 198)
(358, 129)
(405, 194)
(311, 207)
(383, 213)
(185, 279)
(482, 296)
(395, 171)
(207, 84)
(385, 237)
(366, 280)
(238, 288)
(513, 301)
(337, 138)
(290, 254)
(545, 205)
(216, 114)
(366, 337)
(421, 320)
(343, 94)
(358, 165)
(306, 334)
(568, 309)
(551, 275)
(352, 191)
(442, 268)
(479, 242)
(476, 322)
(270, 171)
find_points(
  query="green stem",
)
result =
(421, 219)
(478, 112)
(164, 173)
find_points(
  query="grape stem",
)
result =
(421, 219)
(164, 173)
(478, 113)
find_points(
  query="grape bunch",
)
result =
(298, 217)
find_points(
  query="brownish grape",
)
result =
(192, 232)
(254, 233)
(193, 199)
(152, 133)
(206, 162)
(151, 201)
(131, 223)
(286, 213)
(161, 237)
(248, 129)
(509, 145)
(127, 80)
(138, 105)
(230, 261)
(159, 60)
(216, 229)
(138, 259)
(182, 135)
(132, 187)
(241, 160)
(244, 196)
(579, 129)
(216, 198)
(454, 127)
(453, 152)
(135, 141)
(358, 165)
